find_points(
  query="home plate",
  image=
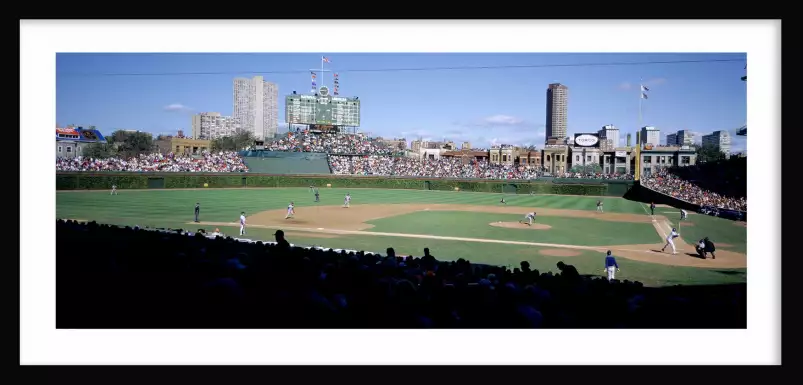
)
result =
(320, 228)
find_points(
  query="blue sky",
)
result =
(484, 106)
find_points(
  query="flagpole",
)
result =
(321, 72)
(640, 100)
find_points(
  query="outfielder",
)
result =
(290, 211)
(114, 190)
(317, 195)
(683, 215)
(347, 200)
(611, 267)
(670, 241)
(242, 223)
(599, 206)
(503, 201)
(528, 219)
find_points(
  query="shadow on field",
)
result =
(730, 272)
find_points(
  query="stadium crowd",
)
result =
(579, 175)
(444, 167)
(218, 161)
(665, 182)
(113, 277)
(331, 143)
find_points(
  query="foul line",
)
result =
(655, 223)
(422, 236)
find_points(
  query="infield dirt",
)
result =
(339, 221)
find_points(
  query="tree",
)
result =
(589, 168)
(708, 153)
(131, 144)
(239, 141)
(100, 150)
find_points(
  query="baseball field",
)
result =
(474, 226)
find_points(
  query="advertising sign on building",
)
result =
(621, 154)
(586, 140)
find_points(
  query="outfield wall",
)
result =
(168, 180)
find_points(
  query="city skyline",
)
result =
(484, 107)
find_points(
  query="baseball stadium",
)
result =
(465, 206)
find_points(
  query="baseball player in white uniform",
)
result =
(670, 240)
(683, 215)
(114, 190)
(528, 219)
(599, 206)
(347, 200)
(242, 223)
(290, 211)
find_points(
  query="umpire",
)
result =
(197, 211)
(709, 248)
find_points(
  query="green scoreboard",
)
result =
(323, 109)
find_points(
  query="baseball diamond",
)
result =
(457, 224)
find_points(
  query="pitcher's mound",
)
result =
(518, 225)
(560, 252)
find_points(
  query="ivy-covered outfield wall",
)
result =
(101, 181)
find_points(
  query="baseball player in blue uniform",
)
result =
(197, 211)
(611, 267)
(317, 195)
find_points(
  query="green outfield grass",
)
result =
(174, 208)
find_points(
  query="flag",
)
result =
(325, 59)
(644, 96)
(644, 88)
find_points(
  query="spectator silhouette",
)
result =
(147, 278)
(280, 241)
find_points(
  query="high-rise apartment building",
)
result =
(611, 133)
(212, 125)
(650, 135)
(685, 138)
(680, 138)
(256, 106)
(672, 140)
(557, 96)
(721, 140)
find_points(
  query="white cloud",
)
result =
(177, 107)
(503, 120)
(494, 129)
